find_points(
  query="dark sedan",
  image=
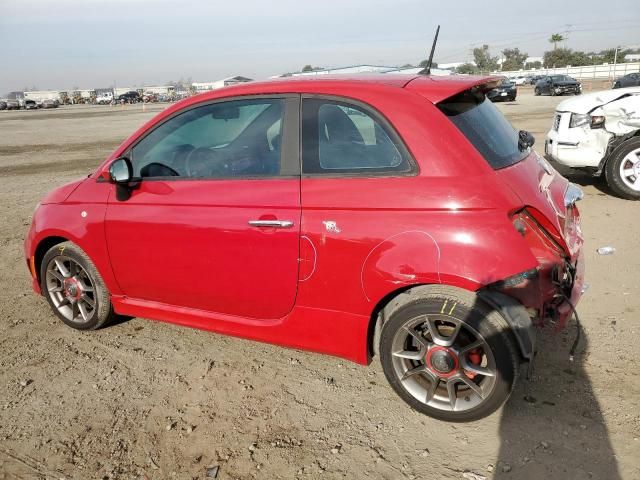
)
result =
(129, 97)
(557, 85)
(505, 92)
(629, 80)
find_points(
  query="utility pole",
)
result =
(615, 60)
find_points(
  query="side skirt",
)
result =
(323, 331)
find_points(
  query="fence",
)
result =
(604, 71)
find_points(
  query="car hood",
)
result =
(61, 193)
(587, 102)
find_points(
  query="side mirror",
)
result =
(121, 173)
(526, 138)
(121, 170)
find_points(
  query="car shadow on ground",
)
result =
(552, 427)
(583, 179)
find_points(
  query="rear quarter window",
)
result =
(485, 127)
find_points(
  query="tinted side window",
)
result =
(228, 139)
(485, 127)
(339, 137)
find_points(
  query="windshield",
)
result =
(485, 127)
(560, 78)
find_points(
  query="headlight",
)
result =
(597, 121)
(579, 119)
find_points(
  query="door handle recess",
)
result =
(271, 223)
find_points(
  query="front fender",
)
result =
(80, 220)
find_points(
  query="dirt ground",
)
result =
(149, 400)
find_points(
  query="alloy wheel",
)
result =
(630, 170)
(70, 289)
(443, 362)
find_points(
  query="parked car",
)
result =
(557, 85)
(505, 91)
(129, 97)
(104, 98)
(599, 132)
(520, 80)
(395, 216)
(629, 80)
(534, 79)
(13, 105)
(49, 103)
(3, 105)
(30, 105)
(150, 97)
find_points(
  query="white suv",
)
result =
(600, 132)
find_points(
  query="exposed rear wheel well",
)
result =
(42, 248)
(378, 317)
(385, 307)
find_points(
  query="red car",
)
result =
(395, 216)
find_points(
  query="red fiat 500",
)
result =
(395, 216)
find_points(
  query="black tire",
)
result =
(612, 170)
(471, 311)
(102, 312)
(536, 92)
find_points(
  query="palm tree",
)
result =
(555, 38)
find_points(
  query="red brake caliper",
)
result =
(475, 358)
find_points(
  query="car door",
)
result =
(214, 221)
(355, 168)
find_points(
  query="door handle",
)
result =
(271, 223)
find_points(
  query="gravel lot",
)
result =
(144, 399)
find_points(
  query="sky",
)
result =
(65, 44)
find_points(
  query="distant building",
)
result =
(438, 72)
(356, 69)
(345, 70)
(453, 65)
(15, 96)
(160, 90)
(632, 57)
(225, 82)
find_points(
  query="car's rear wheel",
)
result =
(536, 92)
(623, 170)
(74, 288)
(447, 354)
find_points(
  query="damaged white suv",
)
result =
(600, 132)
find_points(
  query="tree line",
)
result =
(514, 59)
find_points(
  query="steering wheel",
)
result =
(205, 162)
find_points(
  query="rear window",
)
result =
(485, 127)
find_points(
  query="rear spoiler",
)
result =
(437, 89)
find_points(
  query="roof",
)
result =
(433, 88)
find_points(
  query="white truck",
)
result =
(105, 98)
(600, 132)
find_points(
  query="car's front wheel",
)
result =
(74, 288)
(448, 354)
(623, 170)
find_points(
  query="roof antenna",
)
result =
(427, 70)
